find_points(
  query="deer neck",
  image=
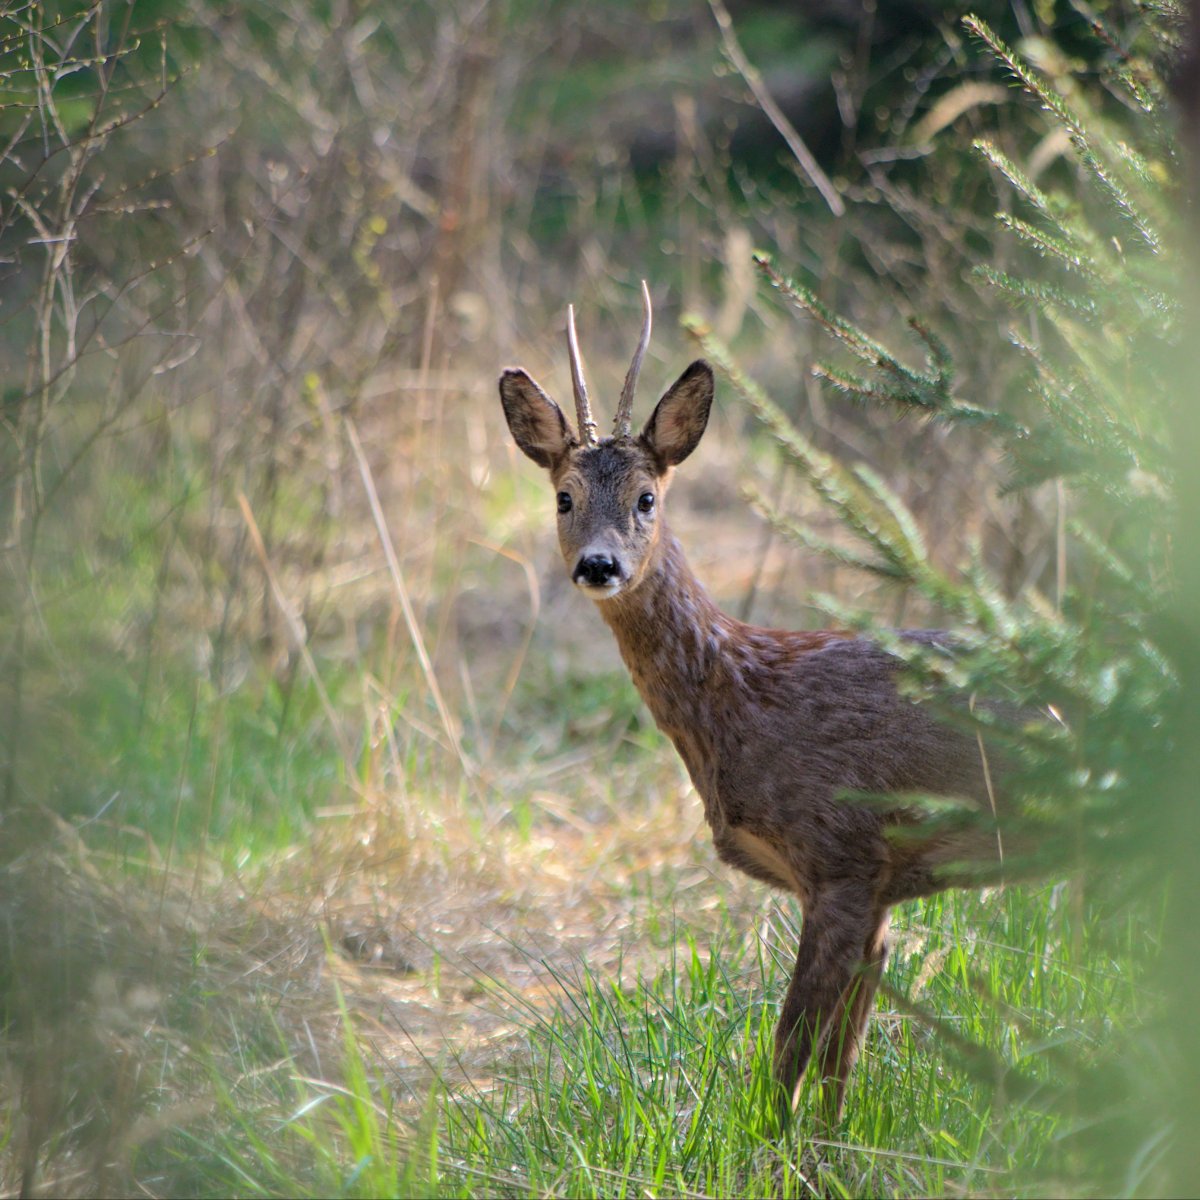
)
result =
(670, 635)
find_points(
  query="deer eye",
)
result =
(646, 502)
(564, 502)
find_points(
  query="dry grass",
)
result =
(135, 1001)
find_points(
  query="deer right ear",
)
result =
(535, 421)
(679, 420)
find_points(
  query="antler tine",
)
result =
(622, 427)
(583, 411)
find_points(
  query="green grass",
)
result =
(659, 1085)
(646, 1084)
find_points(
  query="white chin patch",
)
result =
(603, 592)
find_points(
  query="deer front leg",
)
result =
(838, 924)
(845, 1036)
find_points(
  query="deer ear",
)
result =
(535, 421)
(678, 421)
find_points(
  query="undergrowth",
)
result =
(628, 1082)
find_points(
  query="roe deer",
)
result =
(773, 726)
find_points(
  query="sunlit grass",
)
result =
(649, 1074)
(631, 1083)
(661, 1083)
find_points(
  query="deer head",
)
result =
(609, 490)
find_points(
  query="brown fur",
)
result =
(773, 726)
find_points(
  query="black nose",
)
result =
(596, 570)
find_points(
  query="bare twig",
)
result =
(754, 81)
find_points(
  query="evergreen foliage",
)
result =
(1095, 316)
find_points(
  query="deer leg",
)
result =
(838, 924)
(840, 1051)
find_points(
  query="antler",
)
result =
(622, 426)
(583, 411)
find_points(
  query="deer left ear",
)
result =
(678, 421)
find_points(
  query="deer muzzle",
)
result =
(597, 572)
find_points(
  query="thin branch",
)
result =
(754, 81)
